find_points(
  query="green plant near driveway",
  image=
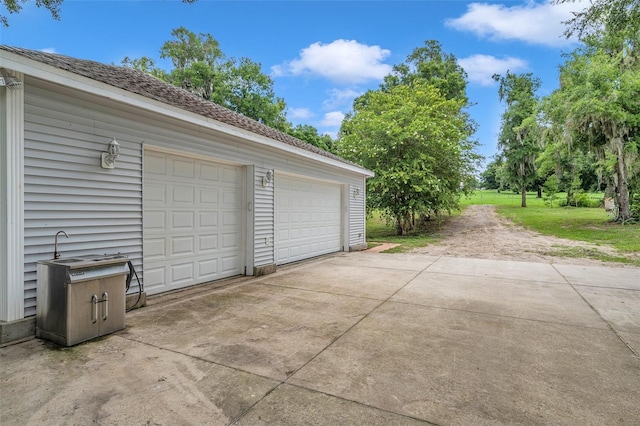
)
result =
(592, 225)
(579, 224)
(379, 231)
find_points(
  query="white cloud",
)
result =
(342, 61)
(535, 23)
(338, 98)
(300, 113)
(480, 68)
(332, 135)
(48, 50)
(332, 119)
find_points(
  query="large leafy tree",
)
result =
(201, 67)
(415, 134)
(310, 135)
(53, 6)
(491, 177)
(416, 142)
(598, 102)
(519, 139)
(430, 63)
(15, 6)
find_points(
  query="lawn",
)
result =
(592, 225)
(378, 232)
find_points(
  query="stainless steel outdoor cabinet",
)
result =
(80, 298)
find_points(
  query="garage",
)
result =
(189, 191)
(308, 218)
(193, 221)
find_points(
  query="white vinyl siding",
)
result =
(263, 219)
(66, 189)
(357, 214)
(101, 210)
(193, 221)
(308, 218)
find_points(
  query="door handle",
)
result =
(105, 306)
(94, 310)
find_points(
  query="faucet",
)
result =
(56, 255)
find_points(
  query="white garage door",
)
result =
(307, 218)
(192, 221)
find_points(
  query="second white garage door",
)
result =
(308, 218)
(192, 221)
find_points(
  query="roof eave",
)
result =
(55, 75)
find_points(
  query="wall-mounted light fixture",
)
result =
(9, 81)
(109, 157)
(356, 192)
(268, 177)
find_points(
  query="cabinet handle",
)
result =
(94, 310)
(105, 309)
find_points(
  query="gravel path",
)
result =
(479, 232)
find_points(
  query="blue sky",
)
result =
(321, 54)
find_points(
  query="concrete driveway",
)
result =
(360, 338)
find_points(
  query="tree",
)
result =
(519, 133)
(600, 101)
(491, 177)
(576, 170)
(416, 141)
(248, 91)
(310, 135)
(551, 188)
(615, 16)
(430, 63)
(599, 95)
(15, 6)
(202, 68)
(146, 65)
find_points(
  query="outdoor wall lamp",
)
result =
(267, 178)
(356, 192)
(9, 81)
(109, 157)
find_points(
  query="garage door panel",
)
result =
(208, 196)
(182, 221)
(209, 172)
(154, 221)
(182, 245)
(196, 236)
(308, 218)
(155, 248)
(182, 273)
(231, 175)
(183, 194)
(183, 168)
(155, 277)
(208, 243)
(155, 193)
(208, 219)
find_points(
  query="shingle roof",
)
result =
(150, 87)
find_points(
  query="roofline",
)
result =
(52, 74)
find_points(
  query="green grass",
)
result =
(592, 225)
(508, 198)
(378, 232)
(579, 224)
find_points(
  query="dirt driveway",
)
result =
(479, 232)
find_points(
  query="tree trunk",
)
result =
(539, 191)
(622, 194)
(524, 197)
(402, 225)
